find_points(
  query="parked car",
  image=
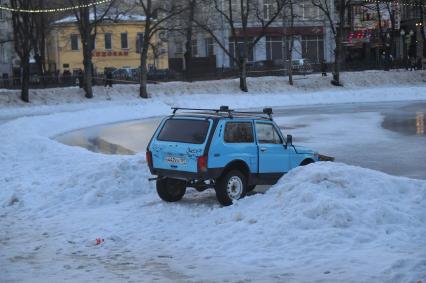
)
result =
(160, 75)
(124, 73)
(302, 66)
(226, 150)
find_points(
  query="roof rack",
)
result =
(230, 112)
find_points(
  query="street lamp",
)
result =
(402, 33)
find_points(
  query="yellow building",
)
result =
(117, 45)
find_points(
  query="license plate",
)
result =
(175, 160)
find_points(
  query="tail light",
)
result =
(149, 158)
(202, 164)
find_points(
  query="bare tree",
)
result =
(291, 17)
(88, 19)
(422, 8)
(157, 14)
(337, 27)
(238, 15)
(191, 6)
(23, 28)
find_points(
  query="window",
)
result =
(239, 132)
(124, 41)
(194, 47)
(74, 42)
(266, 133)
(179, 47)
(2, 54)
(139, 42)
(209, 46)
(108, 41)
(267, 9)
(184, 131)
(313, 48)
(233, 50)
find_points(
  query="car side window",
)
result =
(239, 132)
(266, 133)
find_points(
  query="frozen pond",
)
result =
(389, 137)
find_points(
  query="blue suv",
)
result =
(229, 151)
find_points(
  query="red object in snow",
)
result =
(99, 241)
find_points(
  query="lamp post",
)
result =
(402, 33)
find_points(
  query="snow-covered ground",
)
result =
(273, 91)
(326, 222)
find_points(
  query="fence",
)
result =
(155, 76)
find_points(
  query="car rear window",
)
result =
(184, 130)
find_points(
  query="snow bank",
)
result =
(263, 85)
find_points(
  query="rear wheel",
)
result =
(232, 186)
(171, 190)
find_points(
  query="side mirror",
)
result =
(289, 140)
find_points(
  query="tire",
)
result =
(230, 187)
(171, 190)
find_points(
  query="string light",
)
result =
(396, 2)
(18, 10)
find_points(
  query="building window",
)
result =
(209, 46)
(233, 51)
(139, 42)
(194, 47)
(74, 42)
(313, 47)
(179, 47)
(124, 41)
(108, 41)
(267, 9)
(2, 54)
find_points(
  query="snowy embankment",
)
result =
(326, 222)
(275, 91)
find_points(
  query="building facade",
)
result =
(118, 45)
(7, 53)
(312, 37)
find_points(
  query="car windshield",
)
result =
(184, 130)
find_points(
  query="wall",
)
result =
(60, 53)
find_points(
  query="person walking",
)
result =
(108, 77)
(323, 68)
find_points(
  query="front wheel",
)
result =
(171, 190)
(232, 186)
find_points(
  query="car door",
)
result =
(274, 157)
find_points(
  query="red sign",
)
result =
(110, 53)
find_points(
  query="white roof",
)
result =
(121, 18)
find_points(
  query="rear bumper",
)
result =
(212, 173)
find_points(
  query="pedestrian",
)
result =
(80, 78)
(412, 63)
(108, 77)
(419, 64)
(323, 68)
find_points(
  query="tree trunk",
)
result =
(143, 92)
(88, 69)
(290, 66)
(188, 59)
(290, 46)
(25, 80)
(188, 44)
(243, 74)
(338, 51)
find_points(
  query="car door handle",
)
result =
(263, 149)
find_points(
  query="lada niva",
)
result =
(227, 150)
